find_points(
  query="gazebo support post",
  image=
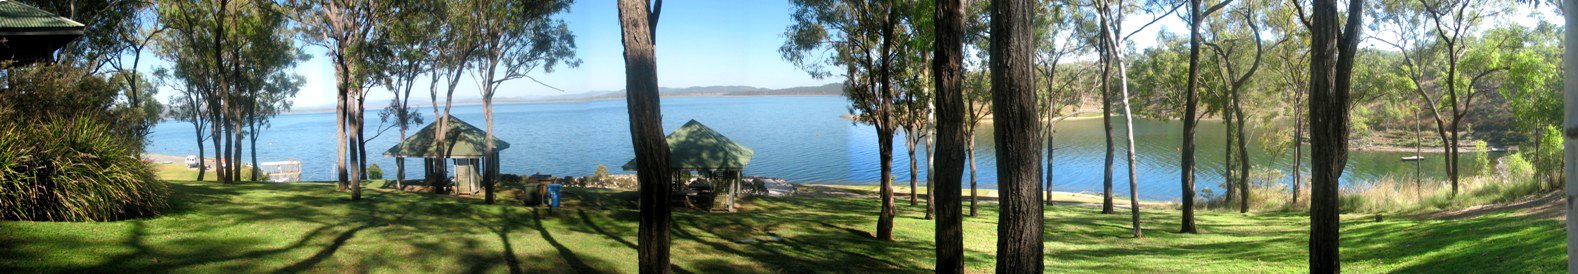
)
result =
(734, 190)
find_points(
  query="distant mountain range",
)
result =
(834, 89)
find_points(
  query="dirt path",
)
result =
(1544, 206)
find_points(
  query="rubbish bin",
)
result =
(553, 195)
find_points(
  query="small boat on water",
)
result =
(1413, 158)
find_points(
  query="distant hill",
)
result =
(834, 89)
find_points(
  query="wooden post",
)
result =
(1570, 149)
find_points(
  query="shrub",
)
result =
(1518, 167)
(73, 170)
(601, 173)
(1482, 157)
(374, 172)
(1547, 154)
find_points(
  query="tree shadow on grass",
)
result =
(1492, 244)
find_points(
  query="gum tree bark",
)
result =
(1570, 142)
(950, 150)
(1018, 136)
(1331, 67)
(637, 23)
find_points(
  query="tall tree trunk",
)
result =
(490, 172)
(1106, 124)
(970, 148)
(1050, 133)
(1331, 66)
(1452, 152)
(931, 176)
(909, 143)
(1243, 153)
(361, 140)
(885, 219)
(356, 134)
(202, 167)
(217, 137)
(637, 25)
(885, 126)
(1128, 119)
(1227, 160)
(340, 114)
(237, 132)
(1191, 108)
(951, 138)
(1298, 147)
(1018, 136)
(254, 152)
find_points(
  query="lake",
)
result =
(802, 139)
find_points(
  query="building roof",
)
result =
(696, 147)
(464, 141)
(17, 18)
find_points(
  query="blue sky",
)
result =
(700, 43)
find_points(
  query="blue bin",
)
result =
(553, 194)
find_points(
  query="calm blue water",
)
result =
(801, 139)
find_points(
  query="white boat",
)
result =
(1413, 158)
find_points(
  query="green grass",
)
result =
(257, 227)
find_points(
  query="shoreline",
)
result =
(478, 102)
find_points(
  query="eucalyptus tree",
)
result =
(1333, 45)
(913, 108)
(451, 46)
(638, 26)
(1291, 68)
(403, 58)
(859, 36)
(1191, 109)
(1111, 13)
(1232, 37)
(1437, 40)
(1532, 87)
(197, 51)
(264, 84)
(1018, 136)
(978, 106)
(516, 38)
(976, 84)
(187, 105)
(137, 34)
(345, 30)
(947, 74)
(1057, 39)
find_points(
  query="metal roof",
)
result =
(17, 18)
(696, 147)
(464, 141)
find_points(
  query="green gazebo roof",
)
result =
(18, 18)
(696, 147)
(464, 141)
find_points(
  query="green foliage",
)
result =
(1546, 153)
(1517, 167)
(601, 173)
(374, 172)
(73, 170)
(1482, 156)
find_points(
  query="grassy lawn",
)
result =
(257, 227)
